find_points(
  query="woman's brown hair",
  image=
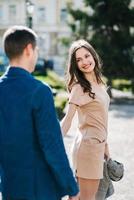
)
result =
(74, 75)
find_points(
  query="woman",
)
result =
(89, 98)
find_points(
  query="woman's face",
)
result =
(85, 60)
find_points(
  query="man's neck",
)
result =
(20, 65)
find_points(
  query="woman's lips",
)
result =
(87, 66)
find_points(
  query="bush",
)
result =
(60, 103)
(122, 84)
(57, 84)
(52, 79)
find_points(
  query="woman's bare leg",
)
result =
(88, 188)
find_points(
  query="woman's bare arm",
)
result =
(67, 120)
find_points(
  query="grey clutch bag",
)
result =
(115, 170)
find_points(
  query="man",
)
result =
(32, 155)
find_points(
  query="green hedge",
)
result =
(122, 84)
(52, 79)
(58, 85)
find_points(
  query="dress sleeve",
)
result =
(78, 97)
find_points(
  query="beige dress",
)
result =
(88, 154)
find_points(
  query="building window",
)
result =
(41, 14)
(1, 11)
(63, 15)
(12, 12)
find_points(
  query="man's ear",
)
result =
(28, 49)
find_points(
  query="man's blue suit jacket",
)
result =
(32, 155)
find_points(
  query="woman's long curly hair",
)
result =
(74, 75)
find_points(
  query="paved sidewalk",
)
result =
(121, 142)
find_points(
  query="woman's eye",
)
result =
(87, 56)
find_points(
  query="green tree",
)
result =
(110, 29)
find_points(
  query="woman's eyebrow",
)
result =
(84, 55)
(78, 57)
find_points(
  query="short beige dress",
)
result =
(88, 154)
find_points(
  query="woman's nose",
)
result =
(85, 62)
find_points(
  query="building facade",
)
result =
(48, 20)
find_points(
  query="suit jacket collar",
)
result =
(17, 71)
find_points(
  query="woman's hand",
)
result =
(106, 156)
(106, 153)
(77, 197)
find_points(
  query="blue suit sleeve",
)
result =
(50, 139)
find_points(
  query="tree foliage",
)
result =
(110, 29)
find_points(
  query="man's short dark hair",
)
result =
(16, 39)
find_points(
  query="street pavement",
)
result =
(121, 142)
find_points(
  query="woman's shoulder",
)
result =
(78, 96)
(77, 88)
